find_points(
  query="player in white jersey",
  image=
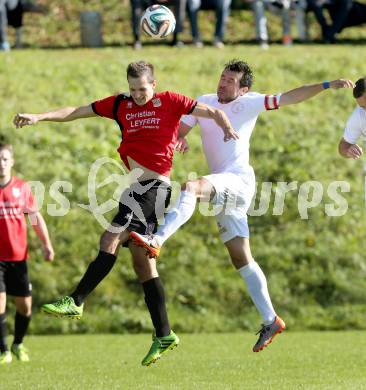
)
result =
(231, 184)
(356, 124)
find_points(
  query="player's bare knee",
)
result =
(25, 312)
(142, 268)
(109, 242)
(242, 259)
(24, 307)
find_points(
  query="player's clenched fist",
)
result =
(21, 120)
(341, 83)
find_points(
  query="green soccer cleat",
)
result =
(159, 346)
(64, 307)
(20, 352)
(5, 357)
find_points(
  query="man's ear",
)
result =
(154, 84)
(243, 91)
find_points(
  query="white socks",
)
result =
(180, 214)
(257, 287)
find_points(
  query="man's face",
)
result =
(6, 163)
(361, 101)
(141, 89)
(229, 88)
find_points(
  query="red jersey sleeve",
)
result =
(104, 107)
(183, 105)
(29, 203)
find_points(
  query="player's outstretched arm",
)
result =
(204, 111)
(306, 92)
(348, 150)
(65, 114)
(40, 228)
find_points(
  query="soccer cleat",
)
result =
(268, 332)
(64, 307)
(5, 357)
(20, 352)
(147, 242)
(159, 346)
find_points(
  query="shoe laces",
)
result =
(262, 330)
(156, 339)
(63, 301)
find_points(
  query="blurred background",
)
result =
(316, 268)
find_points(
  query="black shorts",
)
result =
(142, 205)
(14, 278)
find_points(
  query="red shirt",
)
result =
(149, 132)
(16, 199)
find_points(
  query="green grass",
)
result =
(310, 360)
(315, 268)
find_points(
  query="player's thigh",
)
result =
(17, 279)
(144, 267)
(232, 191)
(112, 238)
(141, 206)
(234, 232)
(3, 269)
(2, 302)
(239, 251)
(24, 305)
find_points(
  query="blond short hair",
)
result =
(8, 147)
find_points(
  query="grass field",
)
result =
(309, 360)
(315, 268)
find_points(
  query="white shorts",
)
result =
(234, 194)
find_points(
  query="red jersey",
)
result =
(16, 199)
(149, 132)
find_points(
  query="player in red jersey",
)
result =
(16, 200)
(149, 124)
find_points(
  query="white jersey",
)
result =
(356, 126)
(231, 156)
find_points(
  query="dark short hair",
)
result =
(360, 88)
(139, 69)
(241, 67)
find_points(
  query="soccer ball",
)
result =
(157, 21)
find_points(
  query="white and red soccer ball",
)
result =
(157, 21)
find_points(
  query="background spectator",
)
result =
(11, 14)
(4, 44)
(222, 8)
(282, 8)
(343, 13)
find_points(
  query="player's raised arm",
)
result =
(204, 111)
(305, 92)
(65, 114)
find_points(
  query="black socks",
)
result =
(155, 301)
(20, 327)
(96, 272)
(3, 333)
